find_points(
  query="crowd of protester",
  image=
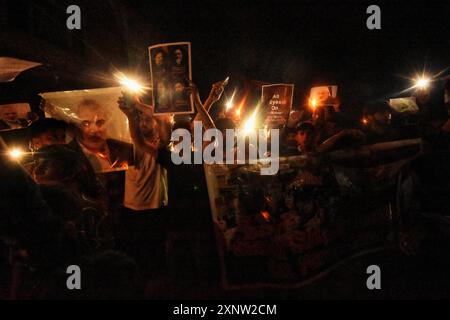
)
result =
(57, 211)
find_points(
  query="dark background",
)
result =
(300, 42)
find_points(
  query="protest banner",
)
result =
(171, 73)
(99, 127)
(287, 229)
(277, 99)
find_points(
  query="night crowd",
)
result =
(153, 221)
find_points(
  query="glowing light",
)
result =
(266, 215)
(238, 112)
(267, 131)
(229, 104)
(16, 153)
(131, 85)
(422, 83)
(250, 124)
(364, 121)
(313, 104)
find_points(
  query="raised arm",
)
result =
(202, 113)
(203, 108)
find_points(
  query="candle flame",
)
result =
(250, 124)
(313, 104)
(130, 84)
(266, 215)
(16, 153)
(229, 104)
(422, 83)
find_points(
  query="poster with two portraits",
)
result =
(171, 73)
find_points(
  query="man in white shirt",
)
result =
(146, 194)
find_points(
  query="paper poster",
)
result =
(404, 104)
(10, 68)
(324, 96)
(277, 100)
(15, 116)
(100, 129)
(170, 68)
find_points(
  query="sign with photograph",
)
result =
(324, 96)
(277, 99)
(404, 104)
(15, 116)
(99, 127)
(171, 73)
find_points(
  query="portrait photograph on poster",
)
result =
(401, 105)
(171, 73)
(99, 128)
(14, 116)
(324, 96)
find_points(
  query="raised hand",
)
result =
(126, 105)
(216, 91)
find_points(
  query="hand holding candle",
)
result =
(131, 95)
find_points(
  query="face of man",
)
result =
(9, 114)
(159, 59)
(305, 139)
(93, 126)
(178, 56)
(179, 87)
(148, 126)
(51, 137)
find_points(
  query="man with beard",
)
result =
(180, 97)
(92, 138)
(179, 69)
(158, 66)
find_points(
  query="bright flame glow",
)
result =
(250, 123)
(229, 104)
(267, 131)
(365, 121)
(130, 84)
(266, 215)
(422, 83)
(16, 153)
(238, 112)
(313, 104)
